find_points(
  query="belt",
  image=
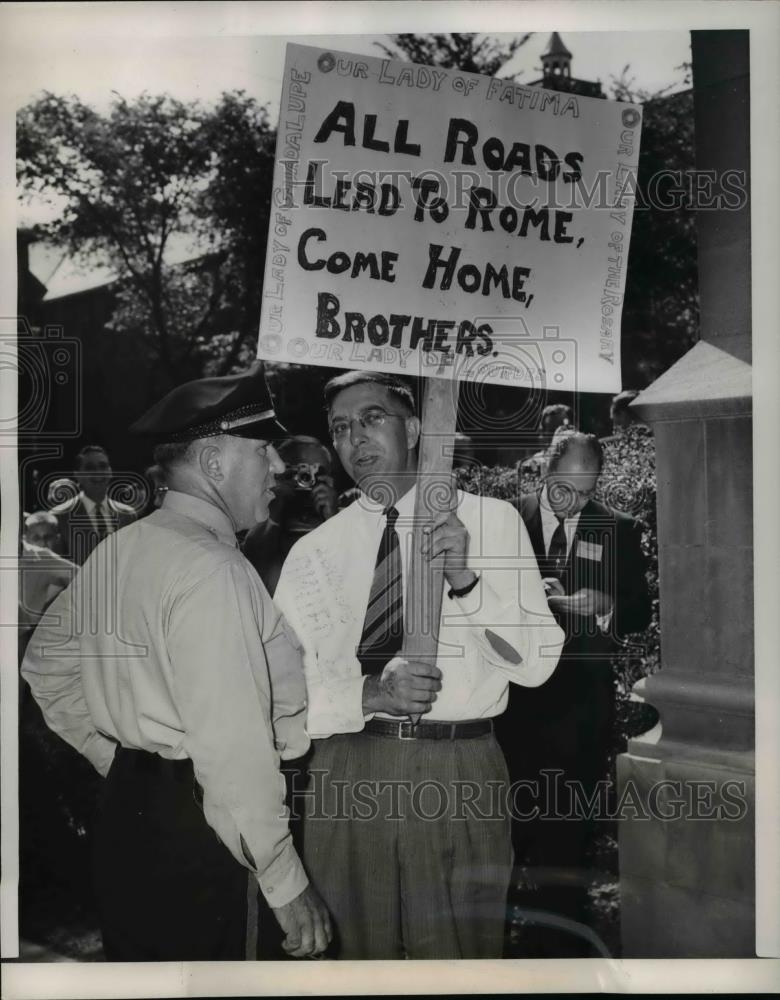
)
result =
(429, 730)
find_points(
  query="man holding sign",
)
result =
(466, 229)
(407, 830)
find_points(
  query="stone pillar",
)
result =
(688, 885)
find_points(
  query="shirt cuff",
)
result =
(604, 621)
(337, 708)
(284, 879)
(351, 711)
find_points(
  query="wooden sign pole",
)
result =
(435, 494)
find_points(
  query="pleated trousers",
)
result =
(408, 842)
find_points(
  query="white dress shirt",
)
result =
(324, 588)
(94, 510)
(167, 641)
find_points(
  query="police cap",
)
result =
(231, 404)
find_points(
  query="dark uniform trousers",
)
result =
(167, 888)
(559, 735)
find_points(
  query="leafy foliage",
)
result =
(235, 208)
(661, 312)
(145, 182)
(468, 51)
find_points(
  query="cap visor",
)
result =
(262, 430)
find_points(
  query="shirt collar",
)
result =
(549, 516)
(89, 503)
(404, 506)
(205, 513)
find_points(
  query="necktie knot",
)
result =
(392, 516)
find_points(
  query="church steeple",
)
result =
(556, 58)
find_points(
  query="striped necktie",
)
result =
(383, 627)
(104, 522)
(558, 549)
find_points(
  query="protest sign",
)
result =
(438, 223)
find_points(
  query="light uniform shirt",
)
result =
(168, 642)
(324, 588)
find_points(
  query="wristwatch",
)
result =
(463, 590)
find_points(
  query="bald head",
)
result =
(573, 467)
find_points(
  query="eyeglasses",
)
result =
(368, 419)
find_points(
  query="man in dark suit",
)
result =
(91, 515)
(592, 564)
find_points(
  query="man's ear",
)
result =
(210, 462)
(413, 427)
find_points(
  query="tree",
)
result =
(661, 308)
(143, 183)
(469, 51)
(235, 209)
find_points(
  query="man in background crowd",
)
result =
(619, 411)
(404, 884)
(594, 571)
(556, 417)
(43, 574)
(183, 687)
(304, 498)
(90, 516)
(41, 529)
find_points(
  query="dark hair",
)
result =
(40, 517)
(88, 449)
(560, 412)
(564, 440)
(172, 453)
(621, 402)
(153, 471)
(398, 387)
(291, 443)
(557, 410)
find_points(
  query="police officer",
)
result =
(170, 669)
